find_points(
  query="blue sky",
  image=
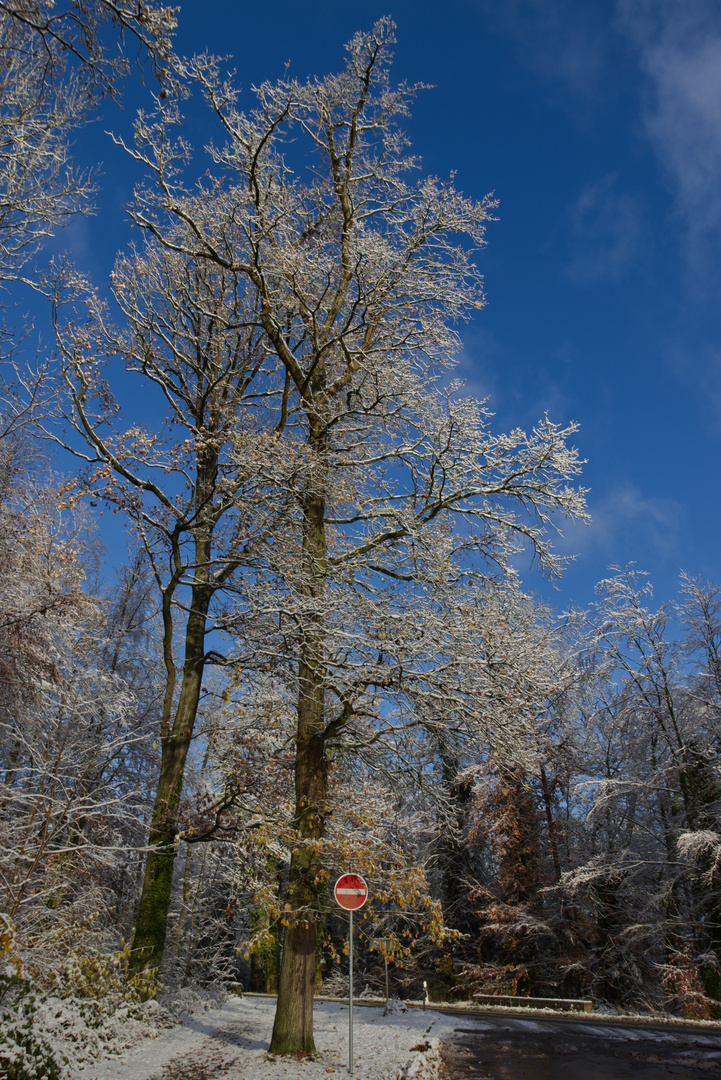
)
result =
(598, 125)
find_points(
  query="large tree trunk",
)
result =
(152, 919)
(293, 1027)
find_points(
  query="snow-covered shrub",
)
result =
(91, 1010)
(40, 1037)
(48, 1038)
(335, 984)
(186, 1000)
(394, 1007)
(99, 976)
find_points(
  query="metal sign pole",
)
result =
(351, 892)
(350, 996)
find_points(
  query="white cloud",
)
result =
(518, 394)
(477, 364)
(605, 230)
(711, 385)
(679, 47)
(560, 39)
(676, 46)
(699, 366)
(627, 524)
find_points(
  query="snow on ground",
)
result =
(232, 1042)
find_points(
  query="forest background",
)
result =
(315, 645)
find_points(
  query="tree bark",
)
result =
(293, 1027)
(152, 919)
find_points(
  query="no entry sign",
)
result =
(351, 891)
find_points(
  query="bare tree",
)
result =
(76, 33)
(55, 63)
(191, 342)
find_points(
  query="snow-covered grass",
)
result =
(232, 1042)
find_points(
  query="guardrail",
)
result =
(506, 1000)
(519, 1002)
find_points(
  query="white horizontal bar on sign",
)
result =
(352, 892)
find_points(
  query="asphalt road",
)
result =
(514, 1048)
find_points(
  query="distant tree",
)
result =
(644, 868)
(511, 835)
(73, 735)
(699, 610)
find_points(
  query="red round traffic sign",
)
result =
(351, 891)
